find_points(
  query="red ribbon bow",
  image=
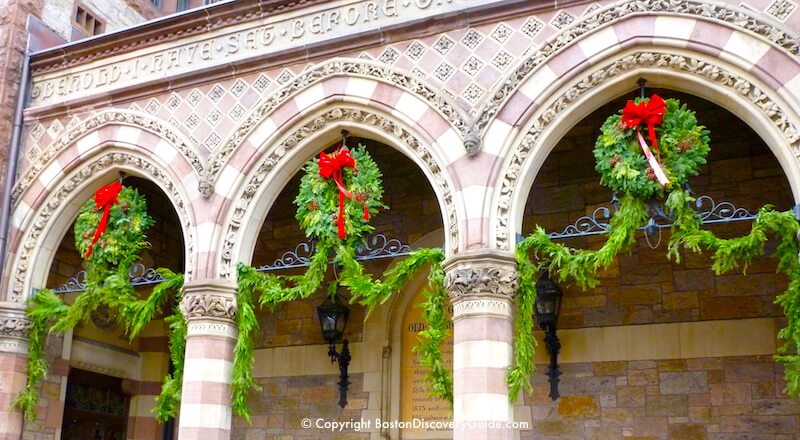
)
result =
(650, 113)
(104, 199)
(332, 166)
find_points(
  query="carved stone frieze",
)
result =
(197, 305)
(738, 85)
(482, 307)
(731, 15)
(95, 122)
(62, 194)
(349, 67)
(482, 280)
(14, 328)
(245, 200)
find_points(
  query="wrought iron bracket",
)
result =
(343, 359)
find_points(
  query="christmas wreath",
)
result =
(110, 235)
(650, 148)
(327, 209)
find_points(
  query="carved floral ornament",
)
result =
(278, 153)
(96, 122)
(481, 280)
(208, 306)
(63, 193)
(348, 67)
(734, 16)
(739, 85)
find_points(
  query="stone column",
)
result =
(481, 287)
(210, 308)
(14, 328)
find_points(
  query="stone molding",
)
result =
(94, 123)
(211, 328)
(349, 67)
(272, 160)
(737, 85)
(14, 328)
(499, 306)
(737, 17)
(479, 275)
(60, 196)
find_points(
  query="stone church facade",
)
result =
(482, 115)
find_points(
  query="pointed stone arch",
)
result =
(704, 26)
(287, 152)
(111, 125)
(354, 80)
(37, 233)
(740, 92)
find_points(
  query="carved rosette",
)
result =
(491, 275)
(204, 306)
(14, 328)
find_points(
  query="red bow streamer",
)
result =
(652, 114)
(104, 199)
(332, 166)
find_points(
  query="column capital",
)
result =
(14, 327)
(484, 273)
(209, 299)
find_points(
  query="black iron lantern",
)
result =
(548, 306)
(333, 320)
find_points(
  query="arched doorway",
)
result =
(103, 385)
(292, 368)
(658, 348)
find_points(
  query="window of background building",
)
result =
(86, 21)
(156, 3)
(182, 5)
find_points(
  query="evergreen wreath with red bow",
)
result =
(338, 194)
(651, 147)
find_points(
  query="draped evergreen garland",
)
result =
(686, 146)
(108, 257)
(339, 193)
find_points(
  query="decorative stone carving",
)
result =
(271, 161)
(14, 328)
(473, 143)
(702, 68)
(481, 280)
(62, 193)
(208, 306)
(482, 307)
(349, 67)
(95, 122)
(734, 16)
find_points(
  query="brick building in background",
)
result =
(482, 116)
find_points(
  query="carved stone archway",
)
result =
(276, 167)
(94, 124)
(709, 79)
(354, 68)
(724, 15)
(50, 221)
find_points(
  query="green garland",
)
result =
(317, 211)
(581, 266)
(107, 283)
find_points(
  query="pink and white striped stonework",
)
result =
(13, 360)
(209, 308)
(481, 287)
